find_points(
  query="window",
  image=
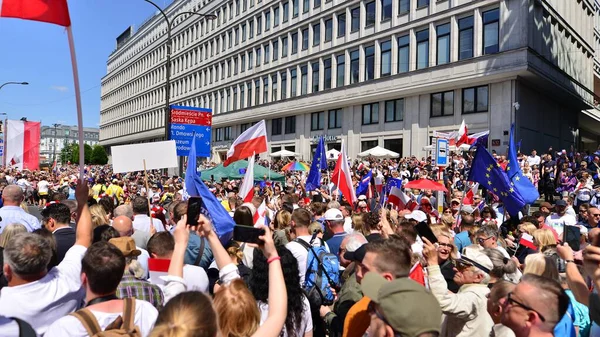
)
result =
(283, 85)
(386, 10)
(317, 121)
(230, 38)
(403, 53)
(227, 133)
(294, 43)
(369, 63)
(386, 58)
(443, 43)
(276, 16)
(235, 66)
(327, 73)
(423, 49)
(244, 5)
(284, 46)
(334, 119)
(243, 62)
(370, 9)
(295, 8)
(276, 126)
(303, 80)
(354, 66)
(315, 77)
(286, 11)
(243, 32)
(251, 28)
(305, 39)
(491, 30)
(394, 110)
(258, 56)
(422, 3)
(328, 30)
(218, 134)
(340, 69)
(294, 79)
(237, 36)
(267, 21)
(258, 25)
(267, 54)
(341, 29)
(403, 6)
(317, 3)
(249, 103)
(275, 49)
(305, 6)
(316, 34)
(250, 60)
(242, 96)
(235, 97)
(355, 19)
(368, 144)
(370, 113)
(266, 89)
(256, 92)
(442, 104)
(290, 124)
(274, 85)
(465, 38)
(475, 99)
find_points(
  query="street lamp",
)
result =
(168, 65)
(19, 83)
(55, 125)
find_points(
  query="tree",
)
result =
(98, 155)
(66, 153)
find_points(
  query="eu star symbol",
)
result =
(487, 175)
(508, 168)
(489, 169)
(517, 178)
(495, 189)
(489, 183)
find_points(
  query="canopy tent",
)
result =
(283, 154)
(237, 170)
(333, 154)
(379, 152)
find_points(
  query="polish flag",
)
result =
(50, 11)
(379, 183)
(247, 188)
(341, 176)
(462, 137)
(400, 199)
(470, 196)
(259, 216)
(527, 241)
(250, 142)
(417, 274)
(22, 147)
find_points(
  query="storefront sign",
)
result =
(326, 138)
(495, 142)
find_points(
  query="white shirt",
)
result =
(143, 260)
(42, 302)
(144, 318)
(8, 327)
(141, 222)
(306, 324)
(15, 214)
(348, 225)
(533, 160)
(503, 251)
(43, 186)
(301, 254)
(557, 222)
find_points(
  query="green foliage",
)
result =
(98, 155)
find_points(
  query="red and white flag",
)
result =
(401, 200)
(379, 183)
(527, 241)
(341, 176)
(250, 142)
(470, 196)
(462, 137)
(50, 11)
(259, 216)
(247, 188)
(22, 148)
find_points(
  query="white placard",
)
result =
(158, 155)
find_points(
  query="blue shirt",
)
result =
(193, 249)
(15, 214)
(462, 240)
(582, 315)
(335, 242)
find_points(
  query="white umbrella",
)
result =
(215, 158)
(283, 153)
(379, 152)
(333, 154)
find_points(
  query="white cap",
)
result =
(416, 215)
(362, 197)
(334, 214)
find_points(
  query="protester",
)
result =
(495, 307)
(11, 212)
(56, 218)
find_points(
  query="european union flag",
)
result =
(364, 183)
(488, 173)
(210, 207)
(313, 181)
(521, 183)
(391, 182)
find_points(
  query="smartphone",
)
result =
(193, 210)
(572, 235)
(425, 231)
(247, 234)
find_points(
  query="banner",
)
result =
(187, 121)
(22, 148)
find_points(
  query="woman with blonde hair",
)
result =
(10, 231)
(189, 314)
(541, 265)
(359, 224)
(282, 223)
(99, 216)
(447, 254)
(527, 227)
(544, 239)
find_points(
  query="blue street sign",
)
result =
(187, 121)
(441, 152)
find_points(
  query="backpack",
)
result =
(122, 326)
(322, 273)
(25, 330)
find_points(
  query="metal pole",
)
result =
(54, 147)
(20, 83)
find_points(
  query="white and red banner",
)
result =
(341, 176)
(260, 215)
(247, 188)
(22, 148)
(527, 241)
(56, 12)
(399, 199)
(250, 142)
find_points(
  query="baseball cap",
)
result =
(416, 215)
(455, 200)
(467, 209)
(560, 202)
(334, 214)
(358, 255)
(362, 197)
(474, 257)
(422, 315)
(126, 245)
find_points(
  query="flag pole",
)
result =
(78, 100)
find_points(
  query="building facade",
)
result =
(54, 139)
(368, 72)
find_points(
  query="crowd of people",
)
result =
(116, 252)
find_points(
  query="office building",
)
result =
(54, 139)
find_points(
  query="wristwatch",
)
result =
(567, 261)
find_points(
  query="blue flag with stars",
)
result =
(488, 173)
(364, 183)
(313, 181)
(520, 182)
(391, 182)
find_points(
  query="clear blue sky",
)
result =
(38, 53)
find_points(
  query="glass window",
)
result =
(235, 66)
(267, 20)
(340, 69)
(227, 133)
(328, 30)
(386, 58)
(243, 62)
(259, 25)
(403, 6)
(442, 104)
(274, 85)
(465, 38)
(245, 127)
(305, 6)
(403, 53)
(422, 3)
(276, 126)
(355, 21)
(305, 39)
(295, 8)
(290, 124)
(443, 43)
(294, 79)
(394, 110)
(276, 16)
(284, 46)
(266, 89)
(275, 49)
(242, 96)
(423, 49)
(256, 92)
(317, 121)
(235, 97)
(251, 28)
(230, 39)
(237, 7)
(341, 29)
(258, 56)
(250, 59)
(243, 32)
(283, 85)
(370, 113)
(267, 53)
(370, 9)
(286, 11)
(294, 43)
(316, 34)
(315, 77)
(491, 30)
(334, 119)
(354, 66)
(317, 3)
(327, 73)
(249, 103)
(303, 80)
(475, 99)
(369, 63)
(386, 9)
(237, 36)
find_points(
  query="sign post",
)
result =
(441, 152)
(186, 124)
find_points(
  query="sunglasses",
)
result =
(482, 240)
(512, 301)
(461, 265)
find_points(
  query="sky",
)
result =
(38, 53)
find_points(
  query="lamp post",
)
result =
(55, 125)
(19, 83)
(168, 64)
